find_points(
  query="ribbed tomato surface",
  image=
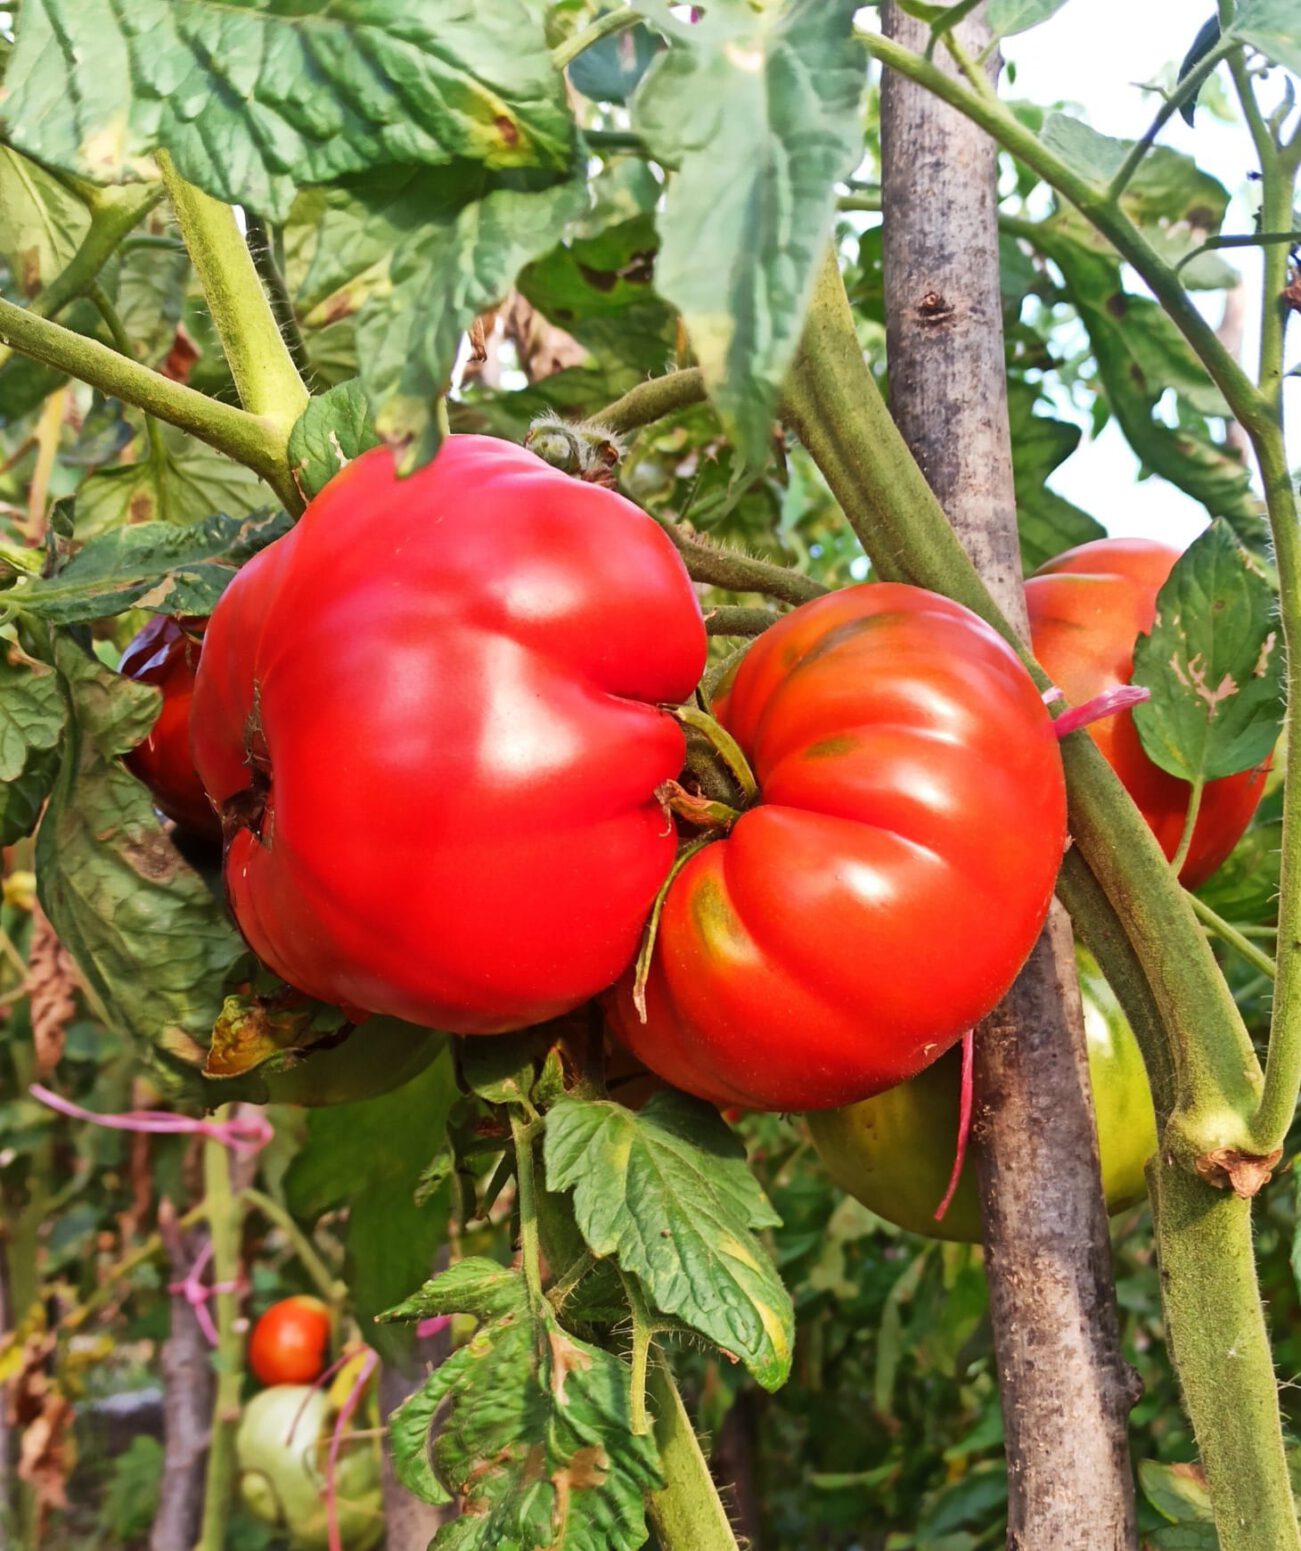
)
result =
(882, 895)
(430, 715)
(1087, 609)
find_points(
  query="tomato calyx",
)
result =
(698, 810)
(729, 752)
(582, 449)
(647, 952)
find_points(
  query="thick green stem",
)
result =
(257, 443)
(223, 1214)
(832, 400)
(735, 572)
(113, 213)
(641, 1347)
(650, 401)
(266, 379)
(1217, 1336)
(687, 1512)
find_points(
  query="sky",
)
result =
(1097, 54)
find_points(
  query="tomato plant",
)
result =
(290, 1343)
(894, 829)
(1087, 609)
(165, 654)
(441, 789)
(894, 1152)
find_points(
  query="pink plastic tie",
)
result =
(245, 1135)
(964, 1122)
(336, 1440)
(198, 1294)
(1110, 703)
(431, 1327)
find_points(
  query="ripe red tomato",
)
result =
(432, 710)
(290, 1344)
(166, 654)
(1087, 609)
(884, 893)
(895, 1151)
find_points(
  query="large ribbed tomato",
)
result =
(165, 654)
(430, 718)
(882, 895)
(1087, 609)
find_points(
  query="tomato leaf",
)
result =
(758, 109)
(367, 1157)
(189, 483)
(151, 940)
(330, 432)
(1006, 17)
(667, 1192)
(1177, 1492)
(610, 70)
(1214, 664)
(1046, 522)
(1272, 27)
(538, 1441)
(32, 710)
(43, 222)
(251, 101)
(1168, 186)
(157, 566)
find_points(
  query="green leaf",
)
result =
(759, 109)
(1177, 1492)
(1208, 35)
(1214, 664)
(23, 796)
(668, 1193)
(41, 223)
(155, 566)
(534, 1430)
(610, 70)
(1273, 27)
(1046, 522)
(1007, 17)
(192, 482)
(253, 100)
(1168, 186)
(32, 709)
(367, 1157)
(151, 940)
(469, 234)
(501, 1070)
(330, 432)
(149, 292)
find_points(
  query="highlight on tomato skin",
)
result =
(882, 895)
(440, 778)
(290, 1343)
(1087, 607)
(166, 654)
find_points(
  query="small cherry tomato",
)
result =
(290, 1344)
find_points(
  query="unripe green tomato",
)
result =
(283, 1483)
(376, 1057)
(894, 1152)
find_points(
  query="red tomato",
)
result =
(884, 893)
(290, 1344)
(1087, 609)
(166, 654)
(432, 709)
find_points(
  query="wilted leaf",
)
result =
(32, 710)
(667, 1192)
(1214, 664)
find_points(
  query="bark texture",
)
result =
(1066, 1390)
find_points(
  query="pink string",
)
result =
(336, 1439)
(431, 1327)
(964, 1122)
(197, 1294)
(245, 1135)
(1109, 703)
(318, 1383)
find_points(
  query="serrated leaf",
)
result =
(43, 223)
(367, 1157)
(328, 435)
(191, 482)
(32, 709)
(1168, 186)
(170, 570)
(150, 938)
(759, 111)
(1006, 17)
(1273, 27)
(253, 100)
(469, 235)
(668, 1193)
(1214, 664)
(534, 1431)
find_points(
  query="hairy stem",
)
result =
(260, 248)
(687, 1512)
(266, 379)
(250, 440)
(729, 569)
(651, 401)
(527, 1201)
(739, 621)
(223, 1214)
(1226, 932)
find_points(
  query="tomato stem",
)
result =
(641, 1345)
(964, 1122)
(1230, 934)
(1190, 824)
(687, 1512)
(522, 1133)
(647, 953)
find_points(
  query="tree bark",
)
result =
(187, 1401)
(1066, 1390)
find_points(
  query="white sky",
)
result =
(1096, 53)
